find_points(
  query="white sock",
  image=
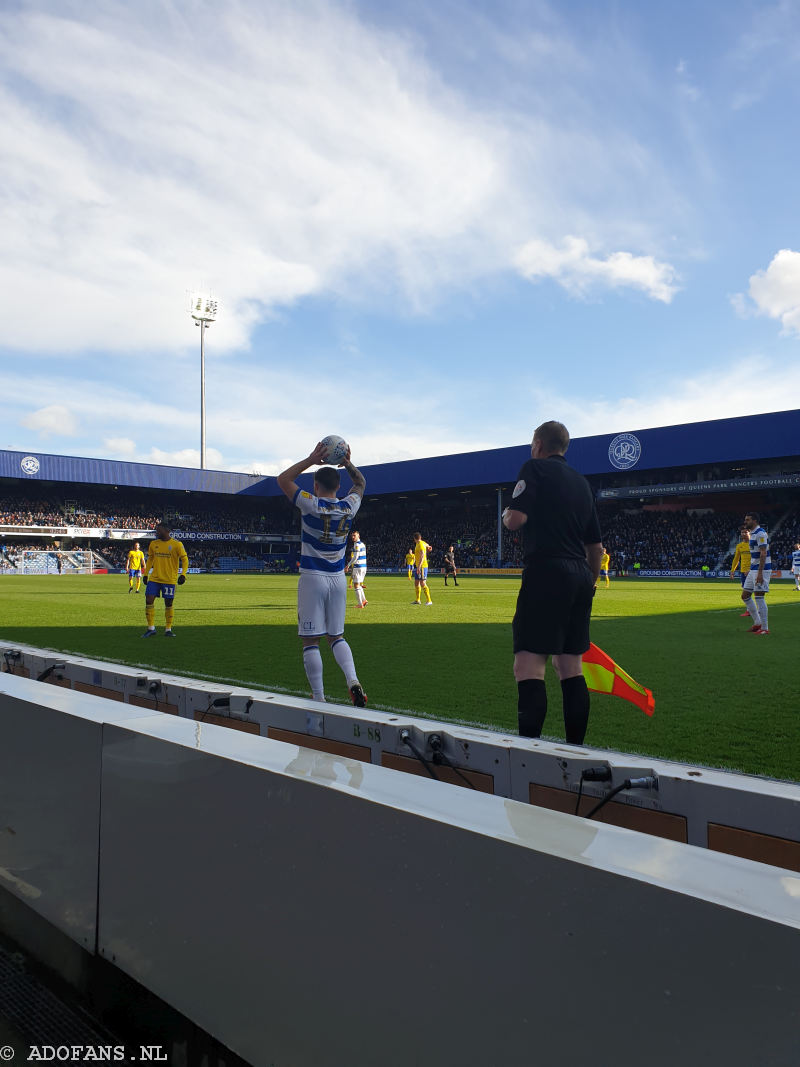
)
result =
(360, 594)
(312, 662)
(752, 609)
(344, 657)
(761, 604)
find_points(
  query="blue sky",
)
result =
(428, 227)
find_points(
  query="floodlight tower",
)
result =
(204, 312)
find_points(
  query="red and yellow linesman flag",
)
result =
(603, 675)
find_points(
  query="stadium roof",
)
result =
(746, 439)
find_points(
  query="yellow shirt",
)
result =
(604, 561)
(165, 559)
(421, 550)
(409, 558)
(135, 559)
(742, 557)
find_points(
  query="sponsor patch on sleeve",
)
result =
(519, 488)
(305, 494)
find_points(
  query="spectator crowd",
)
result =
(235, 515)
(647, 538)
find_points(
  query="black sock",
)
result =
(575, 696)
(531, 706)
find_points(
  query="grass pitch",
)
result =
(724, 698)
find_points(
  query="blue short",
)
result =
(160, 589)
(134, 573)
(421, 574)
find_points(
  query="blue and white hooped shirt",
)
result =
(759, 540)
(325, 526)
(358, 556)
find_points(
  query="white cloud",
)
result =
(183, 457)
(277, 426)
(109, 410)
(269, 166)
(724, 391)
(293, 151)
(394, 425)
(577, 271)
(120, 447)
(775, 292)
(54, 420)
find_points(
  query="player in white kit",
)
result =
(322, 587)
(358, 566)
(796, 565)
(756, 584)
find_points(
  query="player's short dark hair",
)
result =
(752, 515)
(554, 437)
(163, 525)
(328, 477)
(417, 535)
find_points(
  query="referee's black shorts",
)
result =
(554, 607)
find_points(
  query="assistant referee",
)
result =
(554, 506)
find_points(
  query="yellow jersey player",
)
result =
(741, 558)
(410, 564)
(421, 550)
(605, 559)
(165, 558)
(134, 566)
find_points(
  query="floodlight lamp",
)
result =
(203, 308)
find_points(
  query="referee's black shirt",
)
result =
(560, 507)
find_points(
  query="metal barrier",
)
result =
(307, 908)
(744, 815)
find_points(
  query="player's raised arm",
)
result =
(286, 479)
(357, 478)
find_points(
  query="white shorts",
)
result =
(795, 570)
(359, 574)
(321, 603)
(752, 586)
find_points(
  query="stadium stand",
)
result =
(654, 535)
(671, 498)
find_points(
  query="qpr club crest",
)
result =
(624, 451)
(30, 465)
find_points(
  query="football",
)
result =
(335, 448)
